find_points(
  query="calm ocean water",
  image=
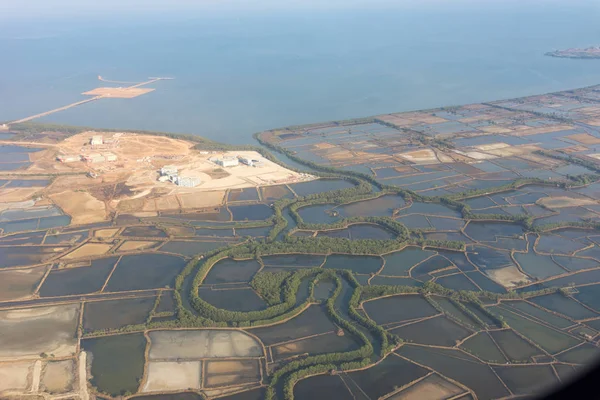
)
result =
(239, 74)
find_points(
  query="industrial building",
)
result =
(98, 158)
(227, 161)
(168, 170)
(93, 158)
(189, 181)
(96, 140)
(67, 159)
(170, 173)
(246, 160)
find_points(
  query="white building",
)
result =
(67, 159)
(93, 158)
(228, 161)
(96, 140)
(246, 160)
(168, 170)
(188, 181)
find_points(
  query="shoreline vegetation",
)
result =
(281, 290)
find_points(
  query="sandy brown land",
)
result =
(81, 206)
(584, 138)
(106, 233)
(433, 387)
(207, 199)
(202, 343)
(475, 155)
(82, 376)
(507, 276)
(132, 245)
(166, 203)
(509, 151)
(88, 250)
(134, 205)
(15, 376)
(58, 376)
(10, 195)
(118, 92)
(180, 231)
(564, 201)
(225, 373)
(172, 375)
(419, 156)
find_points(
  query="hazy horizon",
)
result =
(91, 8)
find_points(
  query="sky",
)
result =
(62, 8)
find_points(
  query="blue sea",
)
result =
(237, 73)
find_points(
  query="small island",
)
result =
(590, 52)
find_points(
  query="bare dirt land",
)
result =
(196, 344)
(9, 195)
(226, 373)
(584, 138)
(88, 250)
(172, 375)
(507, 276)
(58, 376)
(27, 333)
(420, 156)
(564, 201)
(15, 376)
(106, 233)
(132, 245)
(433, 387)
(81, 206)
(207, 199)
(118, 92)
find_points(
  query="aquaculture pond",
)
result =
(391, 373)
(251, 212)
(242, 299)
(145, 271)
(114, 314)
(382, 206)
(358, 264)
(318, 214)
(312, 321)
(27, 255)
(20, 283)
(191, 248)
(459, 367)
(117, 362)
(293, 260)
(248, 194)
(492, 291)
(229, 270)
(399, 308)
(399, 263)
(79, 280)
